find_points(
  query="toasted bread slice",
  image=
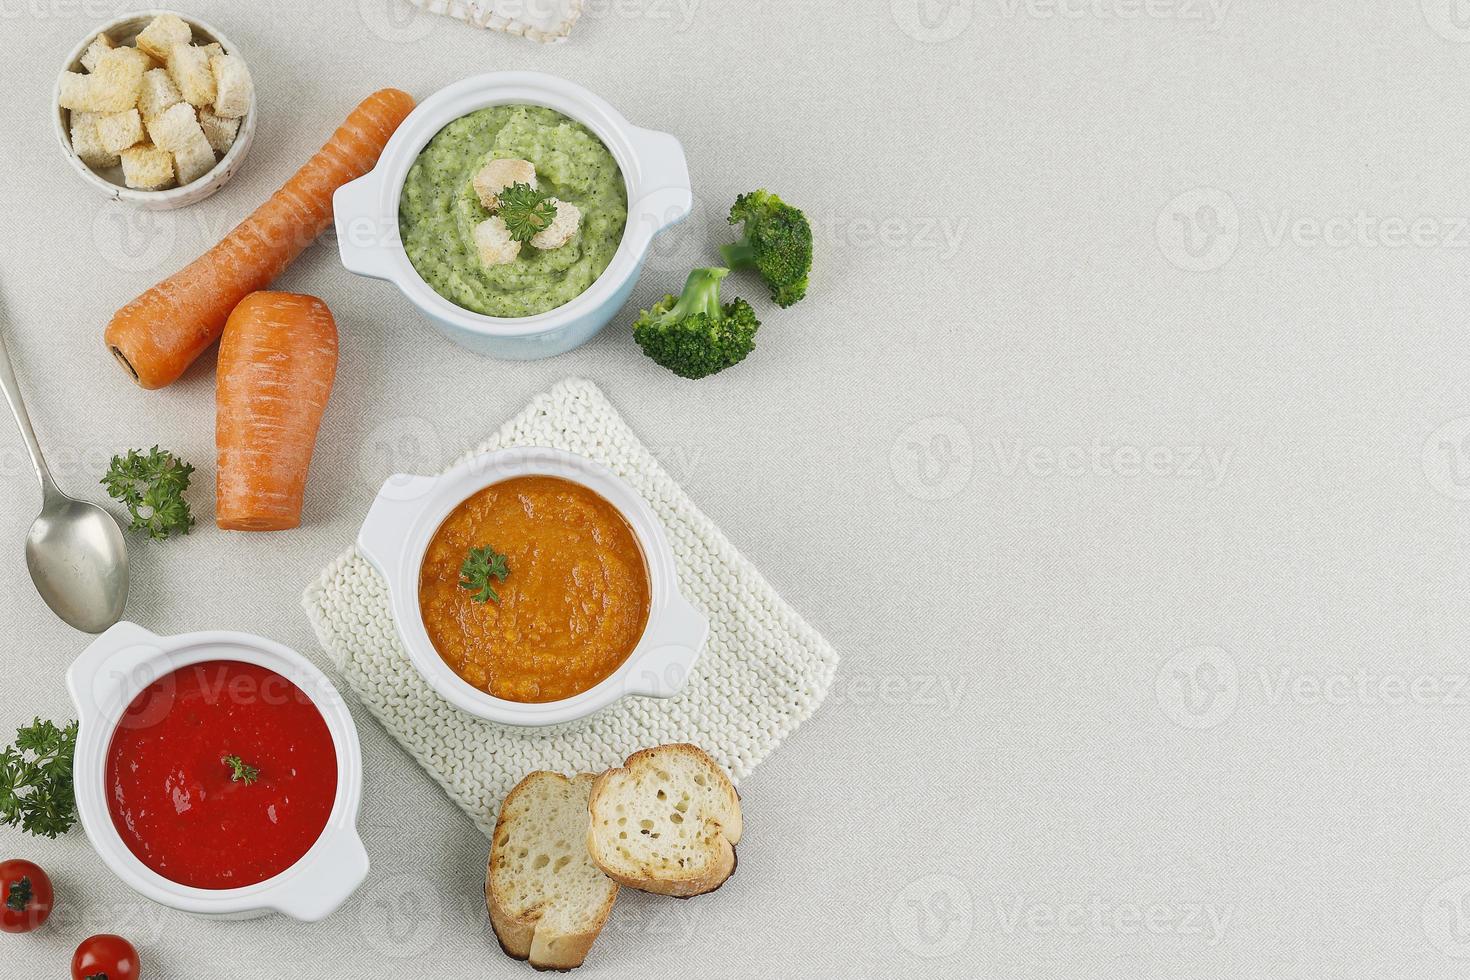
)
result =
(547, 900)
(667, 822)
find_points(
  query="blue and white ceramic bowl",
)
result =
(659, 195)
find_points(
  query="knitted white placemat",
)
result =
(763, 672)
(547, 21)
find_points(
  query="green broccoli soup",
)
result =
(441, 211)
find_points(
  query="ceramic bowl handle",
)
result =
(115, 663)
(331, 879)
(390, 518)
(665, 196)
(367, 239)
(671, 651)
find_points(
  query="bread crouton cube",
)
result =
(159, 94)
(176, 129)
(120, 130)
(160, 36)
(117, 82)
(147, 168)
(194, 161)
(100, 45)
(233, 88)
(87, 144)
(220, 132)
(189, 67)
(562, 228)
(142, 58)
(497, 175)
(493, 242)
(214, 49)
(77, 92)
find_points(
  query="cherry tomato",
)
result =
(25, 896)
(105, 957)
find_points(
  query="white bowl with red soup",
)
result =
(218, 773)
(532, 587)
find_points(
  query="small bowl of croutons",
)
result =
(155, 109)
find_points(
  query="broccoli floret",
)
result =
(694, 336)
(777, 244)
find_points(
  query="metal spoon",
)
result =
(75, 550)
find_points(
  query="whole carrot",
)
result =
(277, 360)
(159, 334)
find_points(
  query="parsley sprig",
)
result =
(482, 565)
(242, 772)
(152, 487)
(35, 779)
(525, 211)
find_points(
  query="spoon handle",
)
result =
(23, 419)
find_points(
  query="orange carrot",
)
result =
(159, 334)
(277, 360)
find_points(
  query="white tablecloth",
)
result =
(1119, 447)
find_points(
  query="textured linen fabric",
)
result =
(763, 671)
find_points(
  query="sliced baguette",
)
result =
(547, 900)
(667, 822)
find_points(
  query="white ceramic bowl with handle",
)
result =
(659, 195)
(113, 671)
(410, 509)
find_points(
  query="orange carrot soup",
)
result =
(534, 589)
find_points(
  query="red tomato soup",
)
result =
(221, 775)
